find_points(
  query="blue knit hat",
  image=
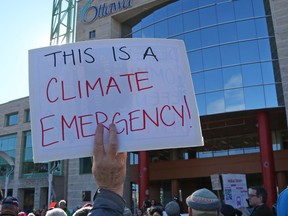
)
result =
(172, 208)
(203, 200)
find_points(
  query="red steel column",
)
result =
(267, 160)
(143, 177)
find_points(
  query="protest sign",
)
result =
(235, 190)
(144, 86)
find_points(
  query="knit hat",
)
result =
(10, 200)
(203, 200)
(172, 209)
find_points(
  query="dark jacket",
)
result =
(107, 203)
(262, 210)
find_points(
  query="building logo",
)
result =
(89, 13)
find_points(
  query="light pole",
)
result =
(54, 166)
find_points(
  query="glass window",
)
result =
(28, 166)
(175, 25)
(27, 115)
(205, 2)
(215, 102)
(264, 50)
(12, 119)
(225, 12)
(201, 103)
(234, 100)
(208, 16)
(134, 158)
(213, 80)
(249, 51)
(230, 54)
(188, 4)
(211, 58)
(209, 36)
(251, 74)
(267, 72)
(191, 20)
(8, 145)
(246, 30)
(271, 96)
(254, 97)
(148, 20)
(243, 9)
(196, 60)
(232, 77)
(160, 14)
(92, 34)
(161, 29)
(261, 27)
(193, 40)
(137, 34)
(174, 8)
(227, 33)
(148, 32)
(258, 8)
(85, 165)
(198, 82)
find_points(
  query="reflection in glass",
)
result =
(232, 77)
(246, 29)
(234, 100)
(188, 24)
(230, 54)
(196, 60)
(227, 33)
(251, 74)
(201, 103)
(264, 50)
(207, 16)
(249, 51)
(215, 102)
(209, 36)
(213, 80)
(243, 9)
(211, 58)
(267, 72)
(270, 96)
(225, 12)
(193, 40)
(254, 97)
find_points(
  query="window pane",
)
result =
(213, 80)
(264, 49)
(227, 33)
(258, 8)
(161, 29)
(207, 16)
(191, 20)
(188, 4)
(148, 32)
(85, 165)
(230, 54)
(209, 36)
(249, 51)
(243, 9)
(234, 100)
(205, 2)
(175, 25)
(251, 74)
(160, 14)
(254, 97)
(225, 12)
(196, 61)
(246, 29)
(232, 77)
(174, 8)
(201, 103)
(271, 96)
(198, 82)
(261, 27)
(215, 102)
(193, 40)
(12, 119)
(267, 72)
(211, 58)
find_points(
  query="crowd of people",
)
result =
(109, 170)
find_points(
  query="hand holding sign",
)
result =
(143, 86)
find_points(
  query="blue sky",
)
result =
(24, 25)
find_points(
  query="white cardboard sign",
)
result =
(144, 86)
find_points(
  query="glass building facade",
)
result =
(231, 50)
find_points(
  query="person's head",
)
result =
(22, 213)
(257, 196)
(62, 204)
(83, 211)
(172, 208)
(10, 206)
(155, 211)
(56, 212)
(203, 202)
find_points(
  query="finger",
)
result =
(112, 141)
(98, 144)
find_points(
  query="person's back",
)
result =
(203, 202)
(282, 203)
